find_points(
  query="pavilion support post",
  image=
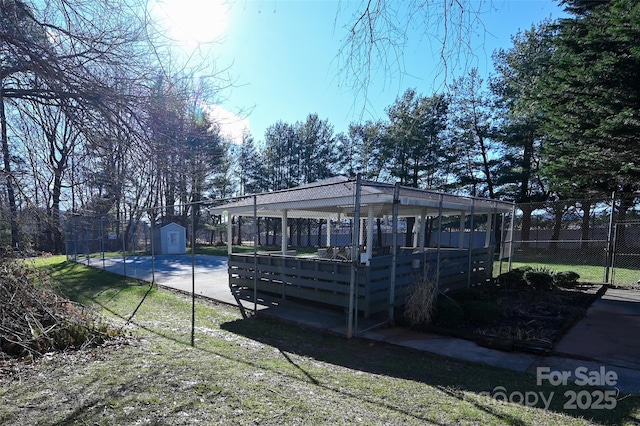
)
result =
(463, 219)
(503, 219)
(229, 235)
(394, 252)
(354, 260)
(328, 236)
(285, 233)
(487, 237)
(423, 230)
(471, 229)
(370, 220)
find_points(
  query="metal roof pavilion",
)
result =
(336, 197)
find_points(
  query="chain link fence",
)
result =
(596, 238)
(346, 252)
(625, 260)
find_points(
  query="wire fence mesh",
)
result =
(625, 260)
(316, 244)
(580, 235)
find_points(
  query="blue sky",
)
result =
(283, 56)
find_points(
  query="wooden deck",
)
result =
(328, 281)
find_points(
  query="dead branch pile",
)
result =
(34, 320)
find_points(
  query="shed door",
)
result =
(173, 242)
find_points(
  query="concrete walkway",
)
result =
(607, 337)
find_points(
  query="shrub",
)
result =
(448, 313)
(566, 279)
(539, 280)
(513, 278)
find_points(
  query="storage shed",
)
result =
(170, 239)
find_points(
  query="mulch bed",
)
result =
(529, 320)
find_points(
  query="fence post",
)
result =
(394, 251)
(153, 251)
(193, 274)
(124, 248)
(102, 242)
(510, 237)
(354, 254)
(256, 238)
(439, 244)
(610, 239)
(471, 231)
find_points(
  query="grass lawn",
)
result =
(256, 371)
(588, 272)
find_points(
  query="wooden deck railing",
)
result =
(328, 281)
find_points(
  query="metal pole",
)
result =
(133, 234)
(193, 274)
(255, 255)
(502, 239)
(102, 242)
(153, 252)
(354, 257)
(439, 245)
(394, 251)
(610, 239)
(471, 230)
(510, 236)
(87, 241)
(614, 244)
(124, 254)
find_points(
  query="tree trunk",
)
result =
(485, 167)
(557, 225)
(11, 196)
(525, 232)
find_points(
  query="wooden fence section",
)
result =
(328, 281)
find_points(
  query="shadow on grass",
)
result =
(464, 381)
(450, 376)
